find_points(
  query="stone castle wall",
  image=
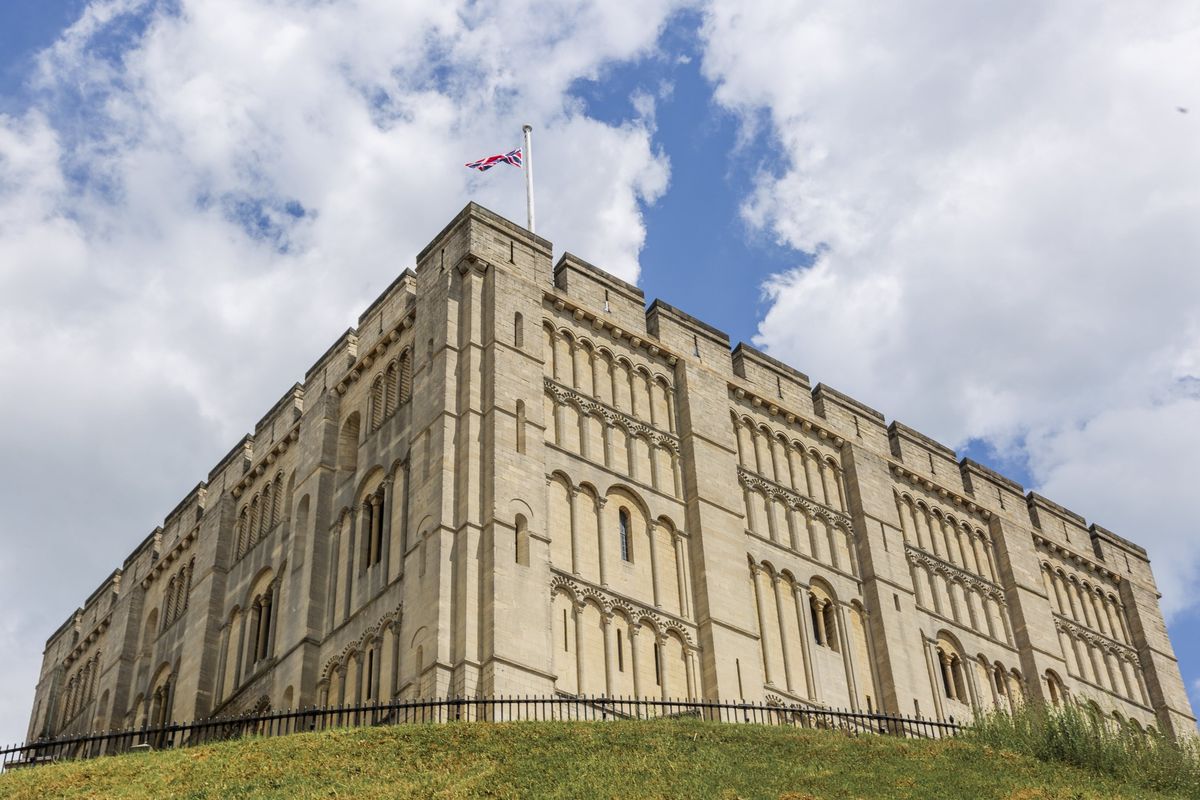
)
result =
(513, 478)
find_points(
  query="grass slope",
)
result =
(659, 759)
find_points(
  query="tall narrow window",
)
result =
(620, 654)
(565, 647)
(520, 426)
(518, 330)
(657, 666)
(522, 543)
(623, 521)
(405, 376)
(370, 674)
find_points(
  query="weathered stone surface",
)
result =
(514, 479)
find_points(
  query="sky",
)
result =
(980, 219)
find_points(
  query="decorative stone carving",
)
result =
(793, 499)
(612, 417)
(1121, 651)
(955, 574)
(610, 603)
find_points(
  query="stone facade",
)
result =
(515, 479)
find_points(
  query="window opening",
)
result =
(623, 521)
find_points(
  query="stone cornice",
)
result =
(278, 449)
(598, 322)
(612, 416)
(954, 573)
(366, 360)
(1121, 651)
(793, 499)
(1075, 559)
(790, 417)
(611, 602)
(920, 481)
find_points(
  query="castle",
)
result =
(514, 478)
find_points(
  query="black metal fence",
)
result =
(456, 709)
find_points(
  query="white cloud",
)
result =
(1004, 204)
(197, 203)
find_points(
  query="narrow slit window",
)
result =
(623, 521)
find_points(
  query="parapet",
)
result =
(486, 235)
(985, 483)
(623, 303)
(684, 333)
(852, 419)
(282, 416)
(242, 452)
(345, 350)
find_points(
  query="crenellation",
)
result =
(773, 379)
(1057, 522)
(281, 418)
(327, 370)
(621, 303)
(684, 334)
(926, 456)
(855, 421)
(237, 461)
(502, 483)
(392, 304)
(993, 491)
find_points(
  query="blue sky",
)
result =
(950, 215)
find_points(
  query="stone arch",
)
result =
(951, 668)
(149, 632)
(348, 443)
(375, 402)
(559, 520)
(822, 609)
(1056, 690)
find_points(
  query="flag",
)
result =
(484, 164)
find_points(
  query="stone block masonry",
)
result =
(514, 478)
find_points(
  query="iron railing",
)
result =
(454, 709)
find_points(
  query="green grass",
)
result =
(659, 759)
(1069, 735)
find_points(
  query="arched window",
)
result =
(390, 390)
(377, 402)
(824, 619)
(241, 534)
(405, 376)
(623, 522)
(950, 666)
(348, 444)
(518, 330)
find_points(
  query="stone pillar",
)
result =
(800, 598)
(577, 611)
(783, 634)
(635, 628)
(680, 575)
(654, 562)
(609, 653)
(602, 535)
(574, 530)
(760, 590)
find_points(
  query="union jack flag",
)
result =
(484, 164)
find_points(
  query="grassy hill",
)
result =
(659, 759)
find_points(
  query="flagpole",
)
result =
(528, 160)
